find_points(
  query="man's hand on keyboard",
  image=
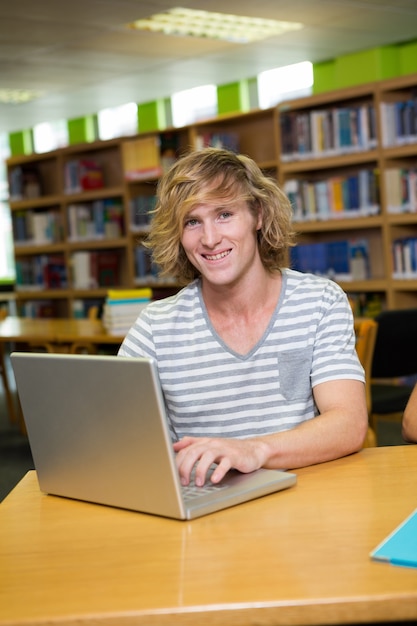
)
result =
(245, 455)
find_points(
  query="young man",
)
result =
(409, 423)
(257, 362)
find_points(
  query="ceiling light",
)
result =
(204, 24)
(17, 96)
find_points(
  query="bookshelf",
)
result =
(347, 159)
(80, 214)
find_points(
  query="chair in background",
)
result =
(11, 409)
(366, 331)
(395, 358)
(85, 347)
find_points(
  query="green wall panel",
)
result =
(357, 68)
(233, 97)
(407, 54)
(367, 66)
(324, 76)
(21, 142)
(151, 116)
(82, 129)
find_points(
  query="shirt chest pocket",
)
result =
(294, 371)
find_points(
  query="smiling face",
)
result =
(221, 242)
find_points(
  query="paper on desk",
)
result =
(400, 547)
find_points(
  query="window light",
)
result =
(224, 26)
(7, 265)
(118, 121)
(193, 104)
(50, 135)
(283, 83)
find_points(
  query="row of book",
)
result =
(399, 122)
(100, 219)
(89, 270)
(45, 271)
(401, 190)
(40, 308)
(93, 269)
(80, 308)
(24, 183)
(343, 260)
(83, 175)
(338, 196)
(228, 141)
(145, 267)
(36, 227)
(122, 307)
(327, 132)
(141, 209)
(404, 258)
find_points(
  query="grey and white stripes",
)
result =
(212, 391)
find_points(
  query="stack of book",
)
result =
(122, 307)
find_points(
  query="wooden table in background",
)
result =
(300, 556)
(59, 331)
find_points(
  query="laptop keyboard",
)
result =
(192, 491)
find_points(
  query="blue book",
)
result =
(400, 547)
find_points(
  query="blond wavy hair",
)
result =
(217, 175)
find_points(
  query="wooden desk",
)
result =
(300, 556)
(55, 331)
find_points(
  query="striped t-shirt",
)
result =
(212, 391)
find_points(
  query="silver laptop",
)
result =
(98, 431)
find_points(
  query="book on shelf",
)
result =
(46, 227)
(359, 259)
(45, 271)
(100, 219)
(399, 122)
(227, 141)
(404, 258)
(336, 197)
(334, 130)
(83, 274)
(141, 208)
(39, 308)
(24, 183)
(145, 267)
(343, 260)
(401, 190)
(30, 227)
(169, 146)
(83, 175)
(107, 264)
(142, 158)
(80, 308)
(94, 269)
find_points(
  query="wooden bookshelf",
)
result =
(98, 197)
(382, 140)
(362, 152)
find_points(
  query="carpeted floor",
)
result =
(16, 458)
(15, 455)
